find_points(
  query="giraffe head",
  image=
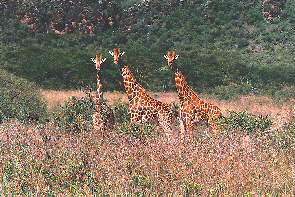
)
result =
(116, 54)
(171, 57)
(98, 60)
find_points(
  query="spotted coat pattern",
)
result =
(193, 109)
(103, 117)
(142, 107)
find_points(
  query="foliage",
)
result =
(20, 99)
(141, 181)
(29, 169)
(232, 91)
(75, 115)
(122, 119)
(281, 93)
(138, 130)
(121, 112)
(192, 188)
(220, 43)
(246, 122)
(39, 160)
(286, 139)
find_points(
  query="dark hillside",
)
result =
(219, 42)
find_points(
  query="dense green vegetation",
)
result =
(75, 115)
(220, 43)
(20, 99)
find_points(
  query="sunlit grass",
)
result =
(42, 160)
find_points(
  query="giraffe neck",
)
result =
(185, 92)
(99, 94)
(132, 87)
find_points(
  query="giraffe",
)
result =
(103, 117)
(142, 107)
(192, 108)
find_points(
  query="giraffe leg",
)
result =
(166, 126)
(188, 129)
(97, 121)
(182, 125)
(213, 126)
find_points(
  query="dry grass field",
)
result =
(41, 160)
(258, 105)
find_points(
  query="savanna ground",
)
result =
(228, 50)
(241, 161)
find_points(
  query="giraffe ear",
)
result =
(93, 60)
(103, 60)
(111, 52)
(176, 57)
(165, 56)
(122, 53)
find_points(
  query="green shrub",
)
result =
(192, 188)
(121, 112)
(122, 119)
(281, 94)
(245, 121)
(232, 91)
(286, 139)
(13, 173)
(218, 189)
(142, 181)
(218, 42)
(20, 99)
(137, 130)
(75, 115)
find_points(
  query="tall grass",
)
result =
(43, 161)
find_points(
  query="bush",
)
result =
(137, 130)
(286, 138)
(142, 181)
(121, 112)
(245, 121)
(32, 166)
(225, 51)
(81, 165)
(122, 118)
(232, 91)
(75, 115)
(281, 94)
(20, 99)
(191, 187)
